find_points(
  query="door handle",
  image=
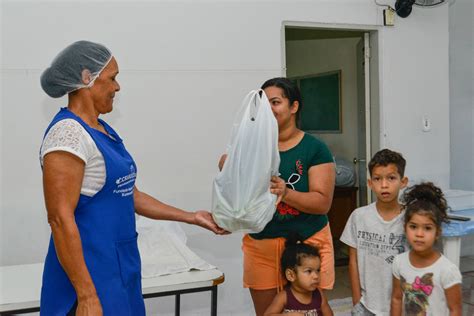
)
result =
(356, 160)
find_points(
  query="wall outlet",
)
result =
(389, 17)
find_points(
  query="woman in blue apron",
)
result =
(93, 264)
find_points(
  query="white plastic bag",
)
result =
(241, 198)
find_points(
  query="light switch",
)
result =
(426, 124)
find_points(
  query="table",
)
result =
(20, 287)
(452, 233)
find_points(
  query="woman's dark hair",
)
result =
(425, 199)
(295, 251)
(290, 91)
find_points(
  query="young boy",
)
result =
(374, 234)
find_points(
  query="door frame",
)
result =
(374, 133)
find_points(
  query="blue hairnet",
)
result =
(65, 73)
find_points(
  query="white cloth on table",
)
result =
(163, 249)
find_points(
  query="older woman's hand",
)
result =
(89, 307)
(205, 220)
(278, 187)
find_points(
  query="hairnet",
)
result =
(65, 73)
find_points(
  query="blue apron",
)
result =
(106, 224)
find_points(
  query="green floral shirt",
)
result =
(294, 167)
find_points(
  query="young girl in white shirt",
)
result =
(424, 281)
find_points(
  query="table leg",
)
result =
(177, 305)
(452, 249)
(214, 301)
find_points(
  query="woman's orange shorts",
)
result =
(262, 260)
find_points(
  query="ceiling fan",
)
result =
(404, 7)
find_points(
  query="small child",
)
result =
(374, 234)
(300, 264)
(424, 280)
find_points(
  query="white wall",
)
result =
(185, 67)
(461, 97)
(318, 56)
(414, 83)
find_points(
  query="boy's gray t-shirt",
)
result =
(377, 242)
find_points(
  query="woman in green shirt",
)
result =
(305, 190)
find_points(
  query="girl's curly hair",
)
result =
(427, 199)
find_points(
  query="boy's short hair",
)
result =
(385, 157)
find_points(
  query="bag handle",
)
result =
(255, 102)
(246, 109)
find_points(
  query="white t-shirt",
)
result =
(377, 242)
(423, 288)
(69, 135)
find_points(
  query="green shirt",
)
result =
(294, 166)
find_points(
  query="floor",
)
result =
(342, 287)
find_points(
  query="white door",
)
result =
(364, 119)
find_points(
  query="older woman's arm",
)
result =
(62, 179)
(150, 207)
(322, 179)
